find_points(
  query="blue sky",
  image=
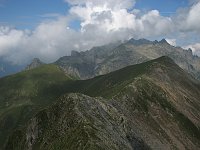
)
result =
(166, 7)
(26, 14)
(49, 29)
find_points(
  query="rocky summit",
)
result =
(152, 105)
(36, 62)
(111, 57)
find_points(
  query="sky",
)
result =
(50, 29)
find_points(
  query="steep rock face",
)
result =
(34, 64)
(83, 64)
(105, 59)
(153, 105)
(131, 53)
(77, 122)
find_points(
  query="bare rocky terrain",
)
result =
(153, 105)
(108, 58)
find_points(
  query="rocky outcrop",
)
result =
(34, 64)
(105, 59)
(153, 105)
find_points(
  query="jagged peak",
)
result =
(139, 41)
(36, 62)
(163, 41)
(190, 50)
(75, 53)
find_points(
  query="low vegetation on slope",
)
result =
(25, 93)
(76, 121)
(150, 105)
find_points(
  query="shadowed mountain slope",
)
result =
(153, 105)
(25, 93)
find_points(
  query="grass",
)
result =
(151, 93)
(38, 88)
(24, 94)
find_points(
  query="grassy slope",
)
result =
(113, 83)
(116, 84)
(23, 94)
(29, 91)
(110, 84)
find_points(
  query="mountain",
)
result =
(24, 93)
(82, 64)
(105, 59)
(7, 68)
(152, 105)
(36, 62)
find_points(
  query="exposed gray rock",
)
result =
(34, 64)
(105, 59)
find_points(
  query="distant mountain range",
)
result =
(152, 105)
(138, 94)
(111, 57)
(107, 58)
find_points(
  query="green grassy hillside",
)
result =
(110, 84)
(25, 93)
(153, 104)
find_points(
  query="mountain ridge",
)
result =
(124, 54)
(151, 105)
(36, 62)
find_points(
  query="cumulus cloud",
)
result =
(171, 41)
(113, 4)
(101, 22)
(195, 48)
(46, 41)
(193, 20)
(188, 19)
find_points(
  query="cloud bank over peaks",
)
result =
(102, 17)
(187, 19)
(171, 41)
(113, 4)
(195, 48)
(101, 22)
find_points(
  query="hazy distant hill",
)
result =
(108, 58)
(7, 68)
(153, 105)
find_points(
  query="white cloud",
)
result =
(188, 19)
(113, 4)
(171, 41)
(151, 23)
(193, 19)
(48, 41)
(195, 48)
(102, 22)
